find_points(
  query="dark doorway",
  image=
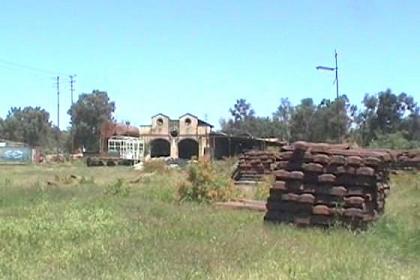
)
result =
(187, 148)
(160, 148)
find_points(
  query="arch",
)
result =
(160, 148)
(187, 148)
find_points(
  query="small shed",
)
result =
(12, 152)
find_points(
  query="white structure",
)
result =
(128, 148)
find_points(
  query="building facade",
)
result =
(186, 137)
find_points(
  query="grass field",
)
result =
(117, 223)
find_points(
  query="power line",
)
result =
(27, 67)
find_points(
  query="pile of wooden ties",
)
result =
(253, 166)
(321, 184)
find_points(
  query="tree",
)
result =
(242, 110)
(386, 113)
(329, 121)
(29, 125)
(244, 122)
(302, 119)
(333, 120)
(257, 127)
(283, 115)
(411, 125)
(87, 116)
(242, 113)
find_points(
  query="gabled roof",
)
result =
(188, 114)
(200, 122)
(160, 114)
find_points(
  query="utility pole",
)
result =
(58, 116)
(337, 92)
(72, 81)
(338, 98)
(336, 75)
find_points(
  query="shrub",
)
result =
(205, 184)
(393, 141)
(155, 166)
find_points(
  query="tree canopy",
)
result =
(384, 119)
(30, 125)
(87, 116)
(244, 122)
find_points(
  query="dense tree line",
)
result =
(34, 127)
(385, 119)
(30, 125)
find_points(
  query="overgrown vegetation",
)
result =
(263, 188)
(205, 184)
(155, 166)
(394, 141)
(76, 231)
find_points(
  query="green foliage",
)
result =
(306, 121)
(87, 116)
(283, 116)
(242, 110)
(326, 122)
(87, 180)
(332, 120)
(386, 113)
(204, 184)
(263, 188)
(161, 187)
(76, 232)
(255, 126)
(244, 122)
(393, 141)
(30, 125)
(118, 188)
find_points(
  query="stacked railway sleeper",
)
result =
(253, 166)
(319, 184)
(403, 159)
(409, 159)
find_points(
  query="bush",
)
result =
(205, 184)
(393, 141)
(155, 166)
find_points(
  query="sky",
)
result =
(199, 57)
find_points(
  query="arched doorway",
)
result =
(187, 148)
(160, 148)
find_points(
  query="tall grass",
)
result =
(81, 231)
(204, 183)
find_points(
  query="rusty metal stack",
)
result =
(253, 165)
(321, 184)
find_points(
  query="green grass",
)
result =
(102, 226)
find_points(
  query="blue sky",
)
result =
(200, 56)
